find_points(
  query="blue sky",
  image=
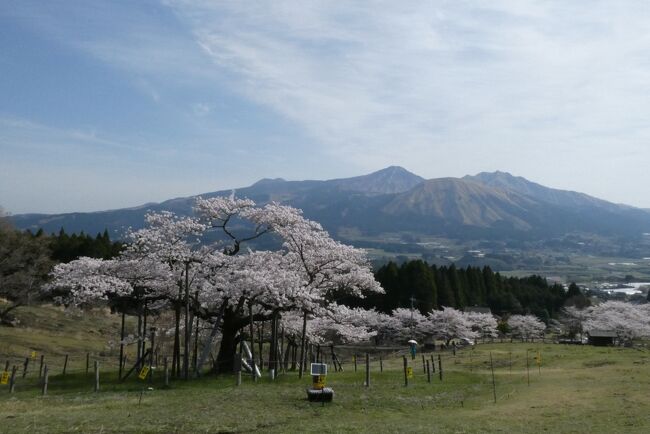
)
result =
(117, 103)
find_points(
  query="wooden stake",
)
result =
(96, 376)
(25, 366)
(65, 364)
(424, 365)
(87, 363)
(367, 370)
(46, 376)
(440, 366)
(12, 379)
(406, 378)
(433, 364)
(381, 364)
(355, 362)
(428, 372)
(40, 367)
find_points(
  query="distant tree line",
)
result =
(27, 258)
(434, 287)
(66, 248)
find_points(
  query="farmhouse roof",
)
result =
(602, 334)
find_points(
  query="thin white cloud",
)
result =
(555, 91)
(429, 83)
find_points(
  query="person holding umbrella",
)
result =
(413, 347)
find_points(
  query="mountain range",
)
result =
(486, 206)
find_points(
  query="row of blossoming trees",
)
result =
(200, 269)
(629, 321)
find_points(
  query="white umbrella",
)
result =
(413, 341)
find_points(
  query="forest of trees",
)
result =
(435, 287)
(27, 258)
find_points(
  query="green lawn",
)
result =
(579, 389)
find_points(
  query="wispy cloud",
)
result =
(553, 90)
(516, 85)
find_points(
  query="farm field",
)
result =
(577, 389)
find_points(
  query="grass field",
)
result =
(577, 389)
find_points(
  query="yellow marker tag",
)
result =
(5, 378)
(320, 382)
(409, 372)
(33, 354)
(143, 373)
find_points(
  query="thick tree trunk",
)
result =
(228, 346)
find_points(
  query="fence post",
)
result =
(428, 373)
(424, 365)
(12, 380)
(406, 378)
(433, 364)
(381, 364)
(367, 370)
(40, 367)
(65, 364)
(46, 376)
(25, 366)
(355, 362)
(87, 363)
(440, 366)
(96, 376)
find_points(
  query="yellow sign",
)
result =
(5, 378)
(33, 354)
(143, 373)
(409, 372)
(319, 382)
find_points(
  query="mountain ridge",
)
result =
(493, 205)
